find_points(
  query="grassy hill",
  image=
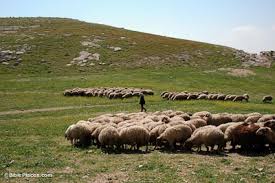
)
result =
(32, 141)
(54, 42)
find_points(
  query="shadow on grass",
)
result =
(253, 152)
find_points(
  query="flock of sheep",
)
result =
(111, 93)
(122, 93)
(205, 95)
(175, 130)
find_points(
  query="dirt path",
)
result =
(57, 109)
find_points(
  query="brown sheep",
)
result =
(245, 135)
(268, 133)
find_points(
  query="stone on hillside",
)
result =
(115, 48)
(95, 56)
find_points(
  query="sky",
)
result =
(242, 24)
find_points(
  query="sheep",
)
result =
(68, 134)
(270, 124)
(241, 98)
(78, 134)
(267, 99)
(237, 117)
(192, 96)
(253, 119)
(214, 96)
(245, 135)
(266, 117)
(204, 115)
(192, 126)
(202, 96)
(165, 96)
(96, 132)
(207, 135)
(221, 97)
(135, 136)
(180, 96)
(268, 133)
(174, 134)
(156, 132)
(223, 127)
(229, 97)
(197, 122)
(163, 93)
(109, 137)
(185, 116)
(218, 119)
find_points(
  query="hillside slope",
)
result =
(56, 45)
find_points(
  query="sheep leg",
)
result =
(172, 147)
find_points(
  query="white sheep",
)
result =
(207, 135)
(174, 134)
(135, 136)
(109, 137)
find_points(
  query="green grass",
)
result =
(34, 142)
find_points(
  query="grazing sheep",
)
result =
(109, 137)
(197, 122)
(78, 134)
(267, 99)
(192, 96)
(270, 124)
(185, 116)
(180, 96)
(204, 115)
(268, 133)
(163, 93)
(266, 117)
(202, 96)
(237, 117)
(175, 134)
(135, 136)
(156, 132)
(245, 135)
(223, 127)
(165, 96)
(218, 119)
(207, 135)
(221, 97)
(229, 97)
(253, 119)
(241, 98)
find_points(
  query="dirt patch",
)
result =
(238, 72)
(115, 177)
(56, 109)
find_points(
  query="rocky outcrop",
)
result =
(264, 58)
(85, 58)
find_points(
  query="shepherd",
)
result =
(142, 103)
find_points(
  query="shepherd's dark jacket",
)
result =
(141, 100)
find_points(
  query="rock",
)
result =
(95, 56)
(264, 58)
(5, 63)
(115, 48)
(90, 44)
(19, 52)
